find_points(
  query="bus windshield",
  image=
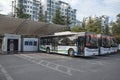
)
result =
(105, 42)
(91, 41)
(113, 42)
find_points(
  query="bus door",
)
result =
(80, 44)
(54, 45)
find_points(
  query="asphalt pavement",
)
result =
(42, 66)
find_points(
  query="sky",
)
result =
(85, 8)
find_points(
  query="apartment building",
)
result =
(31, 7)
(104, 21)
(67, 11)
(50, 6)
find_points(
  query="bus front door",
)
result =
(80, 45)
(54, 46)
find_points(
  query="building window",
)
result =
(48, 8)
(25, 6)
(26, 42)
(30, 2)
(35, 43)
(24, 10)
(30, 43)
(25, 1)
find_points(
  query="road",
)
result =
(41, 66)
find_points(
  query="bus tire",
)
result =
(71, 52)
(48, 50)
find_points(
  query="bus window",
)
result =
(71, 41)
(88, 38)
(55, 41)
(91, 41)
(114, 44)
(105, 42)
(62, 41)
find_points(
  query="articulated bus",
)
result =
(104, 44)
(114, 46)
(70, 43)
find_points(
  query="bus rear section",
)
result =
(72, 44)
(104, 44)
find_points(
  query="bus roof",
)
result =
(67, 33)
(55, 35)
(102, 35)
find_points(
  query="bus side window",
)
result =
(43, 41)
(54, 41)
(61, 41)
(71, 41)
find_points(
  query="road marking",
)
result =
(45, 63)
(43, 55)
(6, 74)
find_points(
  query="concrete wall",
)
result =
(30, 44)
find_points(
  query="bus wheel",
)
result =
(48, 50)
(71, 52)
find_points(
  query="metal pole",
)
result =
(15, 13)
(12, 8)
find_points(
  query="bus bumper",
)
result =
(90, 52)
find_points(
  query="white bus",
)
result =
(70, 43)
(114, 46)
(104, 44)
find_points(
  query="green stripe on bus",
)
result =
(43, 48)
(62, 50)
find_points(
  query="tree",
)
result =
(107, 30)
(93, 25)
(58, 19)
(68, 21)
(116, 28)
(20, 13)
(90, 25)
(78, 29)
(42, 17)
(97, 25)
